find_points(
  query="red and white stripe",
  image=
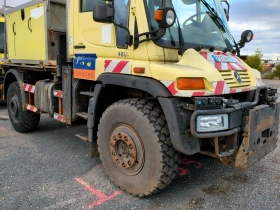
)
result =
(58, 117)
(31, 108)
(223, 66)
(29, 88)
(117, 66)
(58, 93)
(220, 88)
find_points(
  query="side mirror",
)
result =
(103, 13)
(165, 17)
(246, 36)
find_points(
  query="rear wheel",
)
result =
(22, 121)
(135, 147)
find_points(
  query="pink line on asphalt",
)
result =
(97, 203)
(102, 196)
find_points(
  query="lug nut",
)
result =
(130, 146)
(123, 165)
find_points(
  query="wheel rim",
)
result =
(14, 106)
(126, 149)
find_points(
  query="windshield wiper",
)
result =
(219, 22)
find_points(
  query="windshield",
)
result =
(1, 37)
(196, 23)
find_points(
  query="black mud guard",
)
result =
(19, 79)
(149, 85)
(91, 110)
(178, 125)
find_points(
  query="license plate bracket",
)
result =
(260, 135)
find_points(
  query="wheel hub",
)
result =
(123, 150)
(14, 106)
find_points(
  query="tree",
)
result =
(255, 61)
(276, 72)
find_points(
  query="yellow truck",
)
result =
(152, 78)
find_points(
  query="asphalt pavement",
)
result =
(52, 169)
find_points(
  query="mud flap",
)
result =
(260, 135)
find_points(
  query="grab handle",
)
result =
(29, 25)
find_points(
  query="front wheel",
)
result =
(135, 147)
(22, 121)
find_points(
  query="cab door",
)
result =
(100, 46)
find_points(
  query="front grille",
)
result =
(229, 78)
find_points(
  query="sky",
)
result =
(262, 17)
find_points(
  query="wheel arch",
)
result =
(152, 89)
(11, 76)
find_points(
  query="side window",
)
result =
(121, 18)
(87, 5)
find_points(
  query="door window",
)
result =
(87, 5)
(121, 18)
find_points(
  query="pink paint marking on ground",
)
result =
(102, 196)
(185, 161)
(97, 203)
(182, 172)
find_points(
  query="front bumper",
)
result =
(259, 136)
(253, 130)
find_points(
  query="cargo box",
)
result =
(33, 31)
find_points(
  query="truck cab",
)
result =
(152, 79)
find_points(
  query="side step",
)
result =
(83, 115)
(87, 93)
(82, 136)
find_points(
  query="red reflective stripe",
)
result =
(232, 91)
(107, 63)
(219, 88)
(120, 66)
(218, 66)
(172, 89)
(198, 94)
(204, 54)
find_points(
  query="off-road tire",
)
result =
(26, 121)
(161, 161)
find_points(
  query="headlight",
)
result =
(165, 17)
(210, 123)
(170, 17)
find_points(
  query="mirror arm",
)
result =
(161, 33)
(129, 37)
(146, 33)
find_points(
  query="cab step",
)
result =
(83, 115)
(82, 136)
(87, 93)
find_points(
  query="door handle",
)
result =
(29, 25)
(14, 29)
(79, 47)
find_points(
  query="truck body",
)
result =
(151, 78)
